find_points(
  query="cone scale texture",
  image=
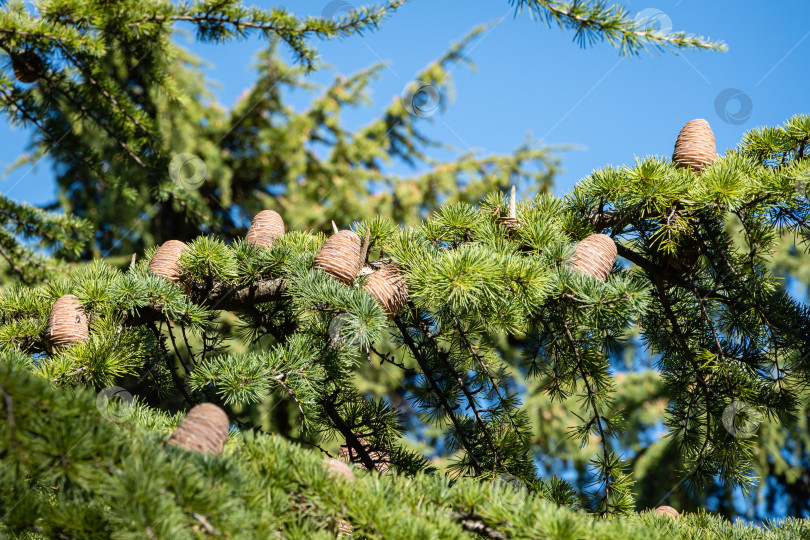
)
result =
(67, 323)
(387, 286)
(267, 226)
(595, 255)
(166, 261)
(349, 455)
(339, 468)
(204, 429)
(695, 147)
(667, 511)
(340, 256)
(345, 528)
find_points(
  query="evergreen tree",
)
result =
(469, 295)
(732, 345)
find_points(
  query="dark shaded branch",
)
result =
(348, 434)
(221, 296)
(428, 373)
(475, 524)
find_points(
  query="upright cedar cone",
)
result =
(380, 458)
(667, 511)
(204, 429)
(510, 219)
(595, 255)
(340, 256)
(67, 323)
(387, 286)
(166, 261)
(28, 66)
(266, 227)
(695, 147)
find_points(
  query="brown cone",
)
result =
(595, 255)
(166, 261)
(345, 528)
(695, 147)
(67, 323)
(266, 227)
(387, 286)
(27, 65)
(667, 511)
(340, 256)
(509, 222)
(349, 455)
(339, 468)
(204, 429)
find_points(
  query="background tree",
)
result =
(117, 105)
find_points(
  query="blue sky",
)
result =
(531, 78)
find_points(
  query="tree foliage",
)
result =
(141, 148)
(504, 357)
(725, 332)
(69, 471)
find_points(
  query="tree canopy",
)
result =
(450, 338)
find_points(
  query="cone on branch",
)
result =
(267, 226)
(28, 66)
(67, 323)
(166, 261)
(387, 286)
(204, 429)
(595, 255)
(380, 458)
(340, 256)
(345, 528)
(337, 468)
(510, 220)
(695, 147)
(668, 511)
